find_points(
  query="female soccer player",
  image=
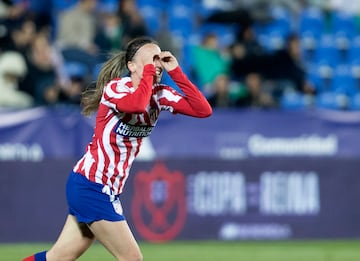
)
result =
(127, 110)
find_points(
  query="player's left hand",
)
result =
(168, 61)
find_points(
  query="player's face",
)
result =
(148, 54)
(159, 69)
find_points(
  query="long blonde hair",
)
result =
(113, 68)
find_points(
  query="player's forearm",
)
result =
(193, 96)
(138, 101)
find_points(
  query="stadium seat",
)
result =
(159, 4)
(204, 9)
(354, 103)
(35, 6)
(332, 101)
(354, 51)
(311, 20)
(309, 44)
(184, 2)
(342, 43)
(343, 22)
(226, 32)
(295, 101)
(321, 76)
(78, 56)
(281, 20)
(76, 69)
(96, 71)
(152, 14)
(326, 52)
(60, 5)
(355, 73)
(181, 21)
(275, 40)
(272, 35)
(343, 82)
(110, 6)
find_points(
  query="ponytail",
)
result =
(111, 69)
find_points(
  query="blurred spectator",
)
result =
(20, 23)
(247, 55)
(77, 27)
(244, 13)
(249, 62)
(251, 11)
(251, 44)
(12, 70)
(133, 22)
(41, 79)
(110, 33)
(12, 11)
(47, 81)
(208, 62)
(284, 68)
(221, 96)
(257, 95)
(21, 33)
(4, 37)
(286, 65)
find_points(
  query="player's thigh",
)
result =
(73, 241)
(118, 239)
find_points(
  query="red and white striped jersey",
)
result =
(126, 115)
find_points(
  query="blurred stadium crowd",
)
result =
(288, 54)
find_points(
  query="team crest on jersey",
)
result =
(159, 203)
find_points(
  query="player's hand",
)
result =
(168, 61)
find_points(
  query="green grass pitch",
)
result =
(214, 251)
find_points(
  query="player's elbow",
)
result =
(206, 112)
(140, 108)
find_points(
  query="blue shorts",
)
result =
(88, 203)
